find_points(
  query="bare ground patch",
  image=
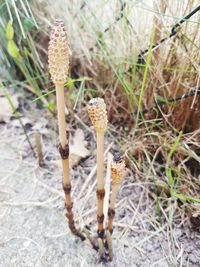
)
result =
(33, 228)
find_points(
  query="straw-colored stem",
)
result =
(100, 160)
(60, 97)
(64, 151)
(115, 189)
(111, 211)
(100, 244)
(100, 179)
(109, 244)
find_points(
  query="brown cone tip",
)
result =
(98, 114)
(58, 53)
(117, 169)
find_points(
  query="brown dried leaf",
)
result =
(77, 148)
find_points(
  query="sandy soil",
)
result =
(33, 228)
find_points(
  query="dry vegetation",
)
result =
(160, 138)
(106, 38)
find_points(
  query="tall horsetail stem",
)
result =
(117, 174)
(98, 115)
(58, 57)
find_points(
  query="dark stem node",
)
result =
(67, 188)
(101, 233)
(100, 193)
(111, 213)
(64, 152)
(100, 219)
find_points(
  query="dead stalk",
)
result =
(38, 146)
(58, 66)
(98, 115)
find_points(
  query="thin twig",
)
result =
(174, 31)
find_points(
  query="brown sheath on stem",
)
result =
(98, 115)
(58, 65)
(117, 173)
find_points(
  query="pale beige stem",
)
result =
(115, 189)
(100, 180)
(100, 245)
(65, 167)
(100, 160)
(64, 150)
(111, 211)
(109, 244)
(60, 97)
(98, 115)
